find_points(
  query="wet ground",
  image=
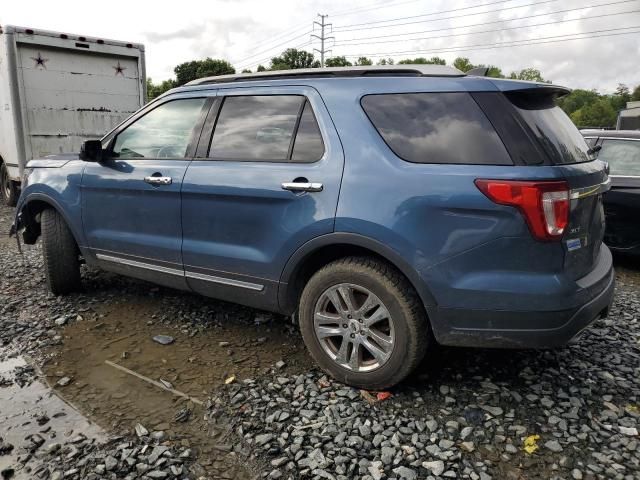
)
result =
(199, 360)
(31, 412)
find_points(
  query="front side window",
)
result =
(436, 128)
(266, 128)
(623, 156)
(164, 132)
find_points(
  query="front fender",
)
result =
(58, 188)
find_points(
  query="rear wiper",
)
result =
(595, 149)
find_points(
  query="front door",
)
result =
(267, 182)
(131, 200)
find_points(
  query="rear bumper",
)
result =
(528, 328)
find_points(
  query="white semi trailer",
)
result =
(57, 90)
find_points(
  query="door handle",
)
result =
(302, 186)
(158, 180)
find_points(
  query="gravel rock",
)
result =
(436, 467)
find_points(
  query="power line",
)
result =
(265, 59)
(277, 37)
(270, 49)
(486, 23)
(514, 43)
(322, 37)
(492, 30)
(371, 7)
(368, 24)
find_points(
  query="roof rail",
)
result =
(360, 71)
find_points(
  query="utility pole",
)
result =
(322, 24)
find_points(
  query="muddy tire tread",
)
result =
(60, 252)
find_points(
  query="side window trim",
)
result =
(210, 124)
(195, 132)
(295, 129)
(206, 135)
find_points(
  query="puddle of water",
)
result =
(22, 406)
(194, 365)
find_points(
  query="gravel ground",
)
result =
(570, 413)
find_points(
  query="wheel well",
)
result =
(321, 257)
(31, 219)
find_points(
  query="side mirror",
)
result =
(91, 151)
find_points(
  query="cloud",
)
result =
(253, 31)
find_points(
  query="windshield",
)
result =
(555, 131)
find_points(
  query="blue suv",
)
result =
(384, 208)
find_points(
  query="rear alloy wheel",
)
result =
(363, 323)
(354, 327)
(8, 187)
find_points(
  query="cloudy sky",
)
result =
(577, 43)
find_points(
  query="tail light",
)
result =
(544, 205)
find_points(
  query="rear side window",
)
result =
(436, 128)
(308, 146)
(623, 156)
(554, 130)
(266, 128)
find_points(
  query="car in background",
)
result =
(621, 150)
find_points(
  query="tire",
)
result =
(8, 188)
(60, 252)
(406, 330)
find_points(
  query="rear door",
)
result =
(131, 200)
(266, 181)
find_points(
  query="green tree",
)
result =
(463, 64)
(261, 68)
(210, 67)
(576, 100)
(599, 113)
(620, 98)
(246, 70)
(423, 61)
(530, 74)
(385, 61)
(635, 96)
(493, 71)
(337, 62)
(155, 90)
(292, 58)
(188, 71)
(364, 61)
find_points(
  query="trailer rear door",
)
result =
(71, 95)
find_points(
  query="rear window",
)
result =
(435, 128)
(554, 130)
(256, 128)
(623, 156)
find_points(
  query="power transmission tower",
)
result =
(322, 24)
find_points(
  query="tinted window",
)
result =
(308, 146)
(164, 132)
(623, 156)
(258, 128)
(554, 130)
(436, 128)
